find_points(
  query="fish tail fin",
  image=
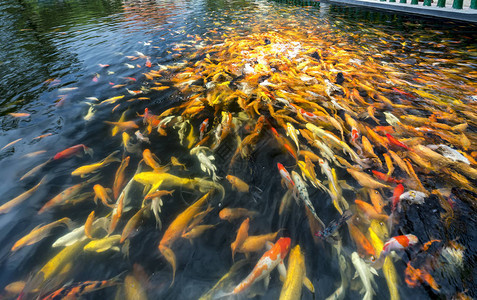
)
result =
(111, 158)
(88, 151)
(171, 259)
(94, 178)
(70, 224)
(221, 294)
(391, 221)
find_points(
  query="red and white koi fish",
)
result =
(203, 128)
(270, 259)
(308, 115)
(285, 176)
(398, 243)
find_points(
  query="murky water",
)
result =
(56, 57)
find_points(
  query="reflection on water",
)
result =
(59, 59)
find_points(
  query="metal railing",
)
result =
(456, 4)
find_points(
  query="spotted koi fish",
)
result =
(334, 225)
(270, 259)
(76, 289)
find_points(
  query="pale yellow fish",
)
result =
(35, 169)
(104, 244)
(112, 100)
(6, 207)
(38, 233)
(11, 143)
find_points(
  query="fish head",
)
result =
(225, 214)
(412, 239)
(284, 244)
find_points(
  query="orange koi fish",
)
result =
(369, 211)
(385, 177)
(393, 141)
(174, 231)
(362, 243)
(230, 214)
(102, 194)
(119, 178)
(242, 234)
(238, 184)
(74, 150)
(19, 115)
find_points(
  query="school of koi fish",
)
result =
(324, 111)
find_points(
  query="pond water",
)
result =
(329, 92)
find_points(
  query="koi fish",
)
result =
(119, 179)
(67, 194)
(296, 276)
(11, 143)
(104, 244)
(366, 180)
(203, 128)
(393, 141)
(385, 177)
(242, 234)
(175, 162)
(38, 233)
(300, 192)
(286, 178)
(230, 214)
(269, 261)
(399, 242)
(7, 206)
(413, 197)
(84, 170)
(77, 289)
(255, 243)
(334, 225)
(414, 276)
(132, 224)
(293, 133)
(175, 229)
(19, 115)
(196, 231)
(362, 243)
(238, 184)
(365, 273)
(102, 194)
(398, 190)
(369, 211)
